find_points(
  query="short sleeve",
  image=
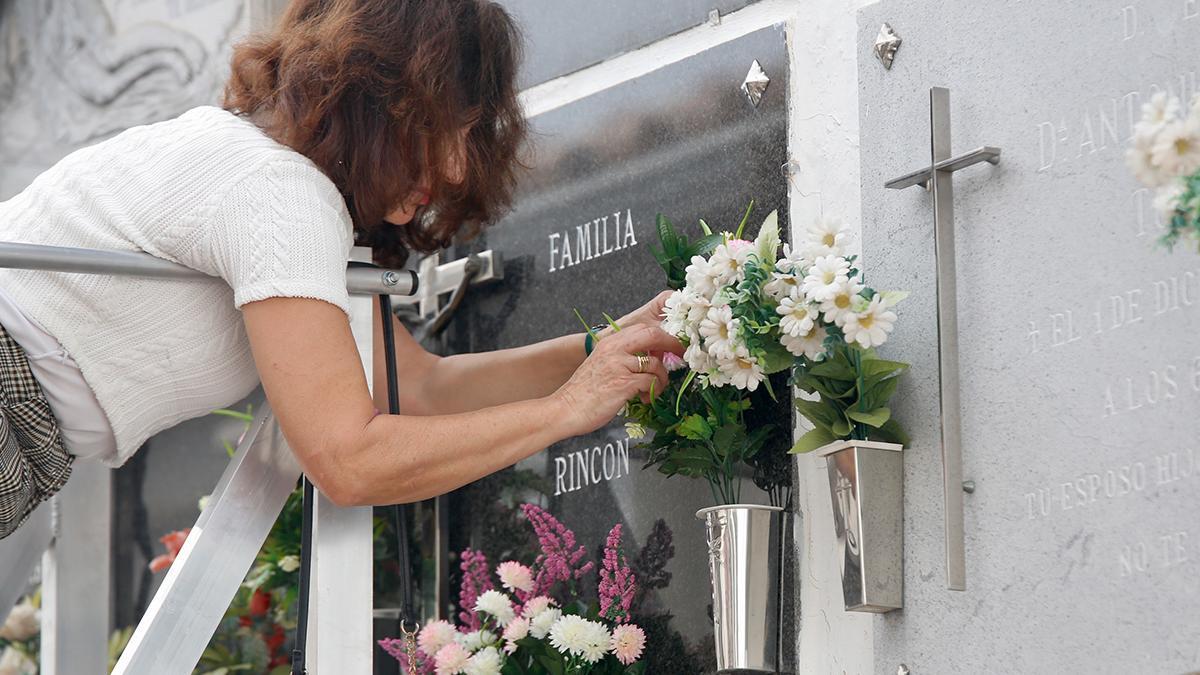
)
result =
(282, 231)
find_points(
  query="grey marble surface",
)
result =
(682, 141)
(562, 36)
(1077, 333)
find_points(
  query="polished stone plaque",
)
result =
(683, 141)
(562, 36)
(1079, 375)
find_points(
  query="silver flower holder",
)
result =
(866, 480)
(745, 555)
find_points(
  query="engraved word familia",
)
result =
(592, 239)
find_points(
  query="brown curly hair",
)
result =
(378, 94)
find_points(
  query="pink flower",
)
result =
(395, 647)
(561, 559)
(475, 582)
(515, 576)
(517, 629)
(435, 635)
(536, 606)
(617, 583)
(627, 644)
(451, 659)
(672, 361)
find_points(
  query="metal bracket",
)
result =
(440, 279)
(939, 176)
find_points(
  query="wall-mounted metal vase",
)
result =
(745, 555)
(866, 480)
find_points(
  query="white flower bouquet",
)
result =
(1165, 156)
(745, 312)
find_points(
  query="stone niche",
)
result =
(1079, 369)
(683, 141)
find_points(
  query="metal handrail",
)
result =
(360, 280)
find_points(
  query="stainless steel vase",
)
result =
(745, 556)
(866, 481)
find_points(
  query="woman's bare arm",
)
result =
(465, 382)
(312, 375)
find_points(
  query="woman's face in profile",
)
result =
(455, 172)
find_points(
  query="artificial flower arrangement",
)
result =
(540, 623)
(1165, 156)
(19, 637)
(746, 312)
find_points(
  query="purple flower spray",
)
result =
(617, 583)
(476, 580)
(561, 559)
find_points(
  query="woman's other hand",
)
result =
(649, 314)
(614, 373)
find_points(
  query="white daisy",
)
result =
(497, 604)
(1160, 109)
(827, 238)
(1176, 149)
(728, 261)
(743, 370)
(487, 661)
(811, 344)
(700, 277)
(1140, 160)
(540, 625)
(840, 302)
(824, 276)
(675, 311)
(797, 316)
(698, 359)
(782, 285)
(1166, 199)
(720, 331)
(870, 327)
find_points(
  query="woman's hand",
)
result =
(649, 314)
(613, 374)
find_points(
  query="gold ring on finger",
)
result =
(643, 362)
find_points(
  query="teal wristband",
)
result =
(589, 343)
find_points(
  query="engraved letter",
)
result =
(583, 241)
(592, 461)
(630, 239)
(1129, 15)
(560, 471)
(553, 249)
(1049, 145)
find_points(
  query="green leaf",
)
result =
(695, 427)
(705, 228)
(891, 432)
(225, 412)
(873, 418)
(706, 245)
(812, 440)
(873, 368)
(819, 413)
(880, 393)
(745, 218)
(666, 232)
(683, 388)
(841, 428)
(835, 369)
(767, 241)
(776, 358)
(587, 329)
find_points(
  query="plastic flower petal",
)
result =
(514, 576)
(628, 641)
(870, 327)
(811, 345)
(825, 276)
(435, 635)
(451, 659)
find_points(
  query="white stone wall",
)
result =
(823, 131)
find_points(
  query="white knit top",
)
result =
(208, 190)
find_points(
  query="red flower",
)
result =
(173, 542)
(274, 640)
(260, 602)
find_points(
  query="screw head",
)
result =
(390, 278)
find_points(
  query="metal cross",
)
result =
(939, 178)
